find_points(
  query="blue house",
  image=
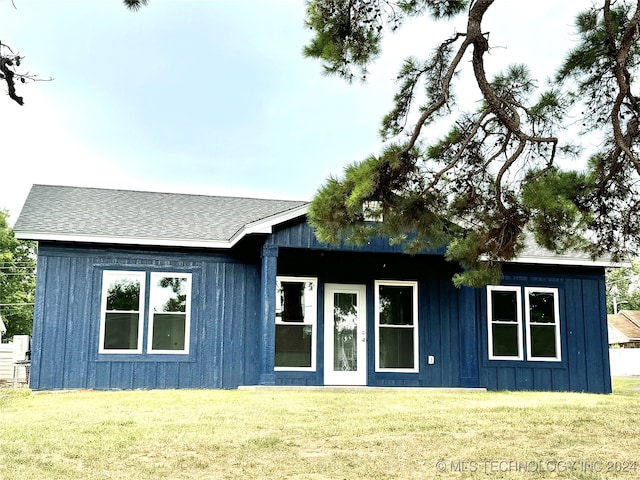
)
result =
(155, 290)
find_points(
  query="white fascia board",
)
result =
(156, 242)
(569, 261)
(266, 224)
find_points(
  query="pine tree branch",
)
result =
(461, 150)
(621, 55)
(444, 96)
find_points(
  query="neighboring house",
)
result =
(153, 290)
(624, 332)
(624, 328)
(616, 337)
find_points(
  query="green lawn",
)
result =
(399, 434)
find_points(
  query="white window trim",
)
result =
(490, 322)
(311, 318)
(416, 343)
(528, 323)
(106, 274)
(187, 321)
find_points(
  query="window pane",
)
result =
(345, 324)
(294, 301)
(170, 295)
(396, 305)
(541, 307)
(396, 347)
(123, 294)
(504, 306)
(168, 331)
(505, 340)
(543, 341)
(293, 346)
(121, 331)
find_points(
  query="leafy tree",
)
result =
(17, 280)
(493, 179)
(623, 285)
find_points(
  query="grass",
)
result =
(390, 434)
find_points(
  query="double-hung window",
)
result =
(396, 326)
(169, 313)
(505, 323)
(543, 324)
(121, 321)
(510, 331)
(296, 305)
(133, 300)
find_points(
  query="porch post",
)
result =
(268, 314)
(469, 338)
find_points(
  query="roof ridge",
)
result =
(155, 192)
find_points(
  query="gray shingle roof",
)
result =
(534, 253)
(124, 216)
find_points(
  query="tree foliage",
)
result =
(135, 5)
(17, 280)
(494, 179)
(622, 288)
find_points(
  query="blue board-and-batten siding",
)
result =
(224, 349)
(438, 307)
(232, 329)
(453, 322)
(584, 366)
(441, 320)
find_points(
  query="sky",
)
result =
(213, 96)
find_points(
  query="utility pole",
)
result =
(616, 303)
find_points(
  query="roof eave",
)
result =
(569, 261)
(266, 225)
(101, 239)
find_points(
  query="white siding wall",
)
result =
(6, 361)
(624, 361)
(12, 352)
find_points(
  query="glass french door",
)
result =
(345, 335)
